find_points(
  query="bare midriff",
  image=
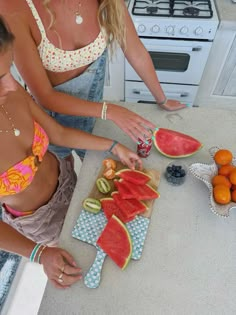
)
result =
(40, 190)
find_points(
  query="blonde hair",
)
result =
(111, 18)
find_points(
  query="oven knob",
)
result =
(198, 30)
(170, 29)
(155, 29)
(141, 28)
(184, 30)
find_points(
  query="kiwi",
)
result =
(92, 205)
(103, 185)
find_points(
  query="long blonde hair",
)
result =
(111, 17)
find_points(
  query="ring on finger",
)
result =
(63, 268)
(60, 278)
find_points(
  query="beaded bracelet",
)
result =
(104, 111)
(34, 252)
(114, 143)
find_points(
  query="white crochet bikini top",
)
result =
(59, 60)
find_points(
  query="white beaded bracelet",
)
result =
(104, 111)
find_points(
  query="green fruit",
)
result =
(103, 185)
(92, 205)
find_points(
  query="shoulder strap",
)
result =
(37, 17)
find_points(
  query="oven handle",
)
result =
(173, 48)
(168, 94)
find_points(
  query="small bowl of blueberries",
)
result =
(175, 173)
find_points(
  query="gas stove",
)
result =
(190, 19)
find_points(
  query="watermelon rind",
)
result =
(174, 144)
(114, 220)
(129, 175)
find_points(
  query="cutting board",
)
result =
(89, 227)
(154, 182)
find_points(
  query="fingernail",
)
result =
(156, 128)
(188, 105)
(153, 138)
(146, 142)
(138, 142)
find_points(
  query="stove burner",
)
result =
(174, 8)
(152, 10)
(191, 11)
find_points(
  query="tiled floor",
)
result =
(28, 287)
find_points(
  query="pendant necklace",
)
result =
(78, 17)
(15, 131)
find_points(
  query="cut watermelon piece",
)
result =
(133, 176)
(116, 242)
(129, 207)
(110, 207)
(141, 192)
(123, 189)
(174, 144)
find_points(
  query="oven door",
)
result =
(175, 61)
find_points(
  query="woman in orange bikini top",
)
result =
(30, 175)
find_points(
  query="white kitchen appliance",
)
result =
(178, 34)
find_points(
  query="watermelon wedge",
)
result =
(123, 189)
(174, 144)
(141, 192)
(129, 207)
(133, 176)
(110, 207)
(116, 242)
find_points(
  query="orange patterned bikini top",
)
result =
(20, 176)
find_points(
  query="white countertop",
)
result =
(188, 264)
(227, 13)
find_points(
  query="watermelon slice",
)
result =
(110, 207)
(116, 242)
(129, 207)
(174, 144)
(133, 176)
(123, 189)
(141, 192)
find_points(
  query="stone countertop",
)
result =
(188, 264)
(227, 13)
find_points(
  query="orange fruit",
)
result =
(226, 169)
(220, 180)
(223, 157)
(109, 163)
(222, 194)
(232, 177)
(233, 195)
(109, 173)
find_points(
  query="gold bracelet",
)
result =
(104, 111)
(40, 253)
(163, 102)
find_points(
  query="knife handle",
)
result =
(93, 276)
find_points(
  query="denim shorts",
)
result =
(45, 224)
(88, 86)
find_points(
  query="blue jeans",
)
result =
(88, 86)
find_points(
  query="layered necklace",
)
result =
(13, 129)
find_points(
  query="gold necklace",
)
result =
(15, 131)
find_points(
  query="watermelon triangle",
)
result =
(111, 208)
(141, 192)
(129, 207)
(123, 189)
(133, 176)
(116, 242)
